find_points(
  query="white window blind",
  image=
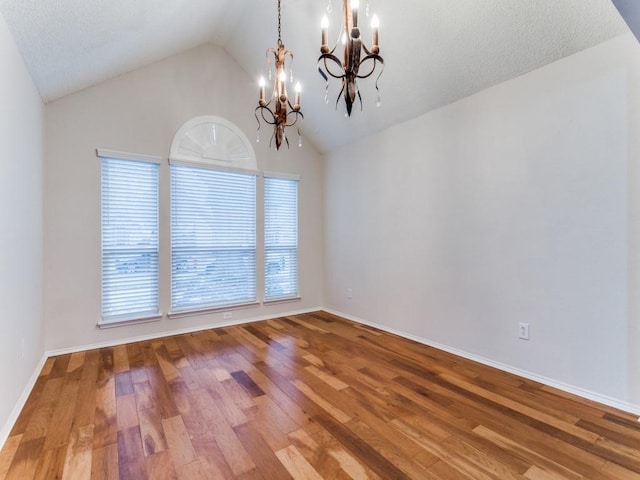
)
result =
(281, 238)
(213, 238)
(129, 239)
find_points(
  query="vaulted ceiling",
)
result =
(435, 51)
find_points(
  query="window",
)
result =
(280, 237)
(129, 237)
(213, 238)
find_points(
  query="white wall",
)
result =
(140, 112)
(21, 114)
(512, 205)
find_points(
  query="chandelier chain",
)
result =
(279, 28)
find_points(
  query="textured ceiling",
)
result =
(436, 51)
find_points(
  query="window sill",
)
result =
(273, 301)
(104, 324)
(207, 310)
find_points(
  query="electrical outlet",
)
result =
(349, 293)
(227, 315)
(523, 331)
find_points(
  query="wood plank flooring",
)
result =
(306, 397)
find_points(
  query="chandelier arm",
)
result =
(261, 109)
(367, 51)
(257, 119)
(322, 60)
(266, 105)
(269, 52)
(289, 54)
(324, 75)
(269, 121)
(376, 58)
(378, 78)
(342, 90)
(296, 117)
(331, 52)
(292, 111)
(272, 119)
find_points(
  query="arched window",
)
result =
(213, 217)
(212, 142)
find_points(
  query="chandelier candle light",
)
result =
(347, 70)
(279, 111)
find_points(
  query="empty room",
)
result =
(320, 239)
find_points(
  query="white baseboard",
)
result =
(596, 397)
(168, 333)
(612, 402)
(13, 417)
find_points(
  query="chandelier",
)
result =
(278, 111)
(347, 70)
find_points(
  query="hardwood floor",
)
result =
(306, 397)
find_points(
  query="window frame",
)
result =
(292, 296)
(177, 311)
(134, 317)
